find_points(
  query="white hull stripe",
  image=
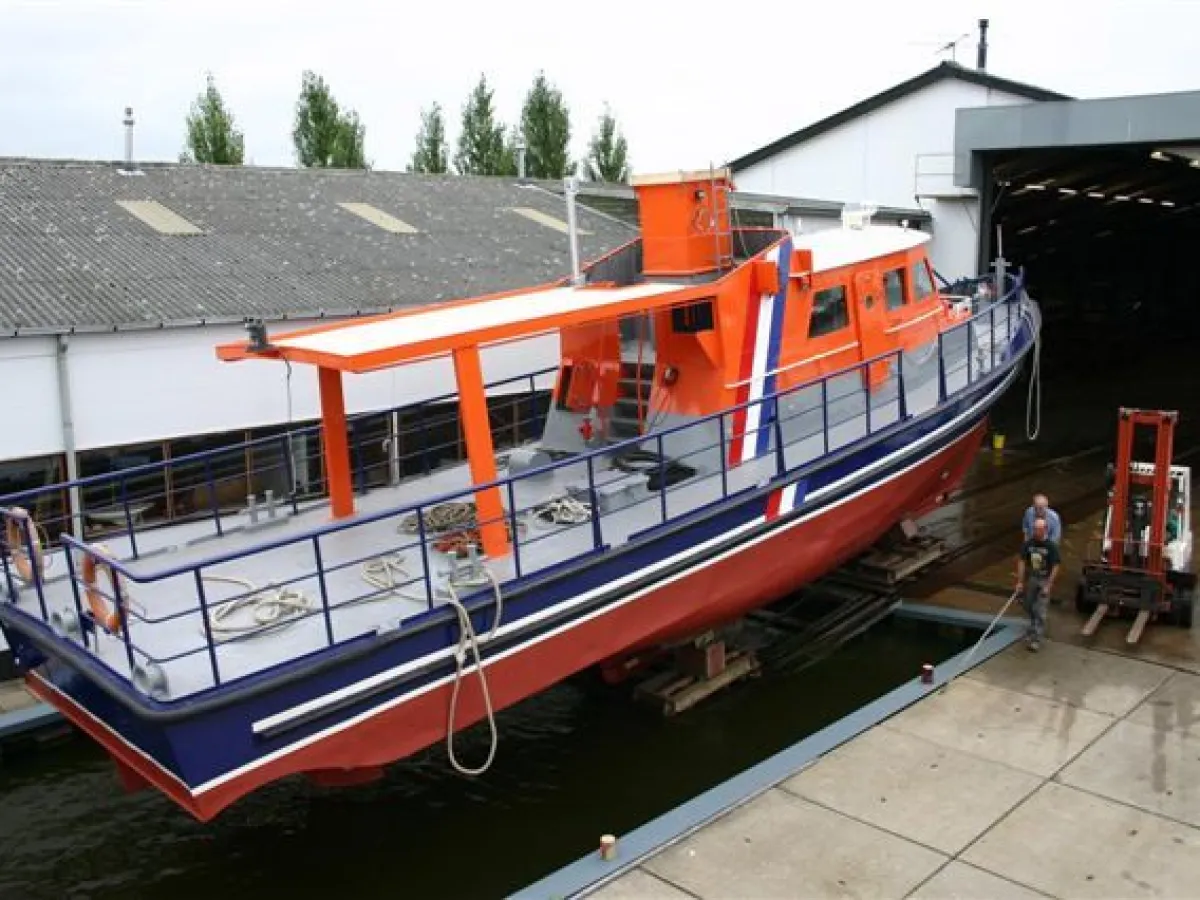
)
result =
(368, 683)
(787, 499)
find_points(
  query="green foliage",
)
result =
(546, 127)
(324, 136)
(481, 145)
(212, 135)
(608, 153)
(430, 155)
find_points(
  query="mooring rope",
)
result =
(469, 640)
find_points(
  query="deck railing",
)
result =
(786, 434)
(224, 479)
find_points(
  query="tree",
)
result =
(430, 155)
(607, 158)
(212, 135)
(326, 137)
(546, 127)
(481, 148)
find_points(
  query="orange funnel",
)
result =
(685, 222)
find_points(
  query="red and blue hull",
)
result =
(346, 712)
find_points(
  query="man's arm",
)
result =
(1021, 570)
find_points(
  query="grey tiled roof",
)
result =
(275, 244)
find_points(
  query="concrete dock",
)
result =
(23, 716)
(1072, 772)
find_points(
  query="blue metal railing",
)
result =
(165, 482)
(1003, 312)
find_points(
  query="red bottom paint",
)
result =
(720, 592)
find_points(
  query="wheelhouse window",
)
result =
(693, 318)
(829, 312)
(893, 288)
(922, 283)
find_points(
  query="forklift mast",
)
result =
(1159, 483)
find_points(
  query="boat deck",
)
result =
(371, 573)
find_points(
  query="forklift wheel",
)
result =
(1082, 604)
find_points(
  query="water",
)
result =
(578, 761)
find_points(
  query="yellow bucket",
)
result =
(997, 441)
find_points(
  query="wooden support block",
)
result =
(1139, 625)
(675, 693)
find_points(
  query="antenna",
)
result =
(943, 46)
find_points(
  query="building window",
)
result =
(829, 312)
(921, 280)
(893, 286)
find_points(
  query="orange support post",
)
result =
(336, 442)
(477, 429)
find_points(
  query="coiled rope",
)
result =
(564, 510)
(468, 640)
(269, 606)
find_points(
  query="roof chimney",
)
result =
(129, 168)
(981, 58)
(129, 137)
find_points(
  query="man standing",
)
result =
(1040, 509)
(1037, 567)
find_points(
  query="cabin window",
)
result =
(893, 286)
(829, 312)
(922, 283)
(693, 318)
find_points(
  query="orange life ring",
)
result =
(112, 618)
(19, 532)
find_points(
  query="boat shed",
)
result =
(1100, 201)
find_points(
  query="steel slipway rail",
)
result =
(229, 691)
(592, 872)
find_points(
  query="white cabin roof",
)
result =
(837, 247)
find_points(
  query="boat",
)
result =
(735, 411)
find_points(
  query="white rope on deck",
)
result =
(268, 607)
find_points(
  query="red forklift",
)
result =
(1142, 564)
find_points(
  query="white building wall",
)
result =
(32, 420)
(875, 158)
(127, 388)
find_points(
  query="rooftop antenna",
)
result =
(942, 46)
(952, 46)
(129, 168)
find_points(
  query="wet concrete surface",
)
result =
(13, 697)
(1068, 773)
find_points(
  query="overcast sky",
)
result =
(689, 87)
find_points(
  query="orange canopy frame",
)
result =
(457, 329)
